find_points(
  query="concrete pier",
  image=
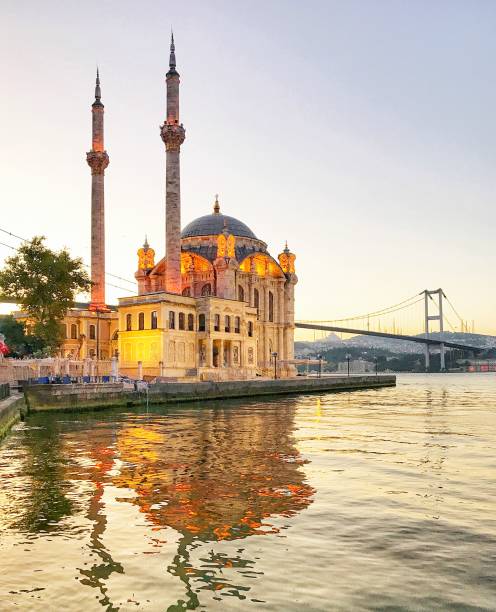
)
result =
(97, 396)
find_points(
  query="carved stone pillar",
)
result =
(210, 350)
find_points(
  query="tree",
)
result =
(44, 283)
(18, 342)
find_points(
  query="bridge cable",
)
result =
(386, 310)
(453, 308)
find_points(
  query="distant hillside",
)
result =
(304, 349)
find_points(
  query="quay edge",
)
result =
(12, 409)
(95, 396)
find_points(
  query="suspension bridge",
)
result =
(387, 323)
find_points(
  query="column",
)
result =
(210, 350)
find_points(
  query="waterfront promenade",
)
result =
(102, 395)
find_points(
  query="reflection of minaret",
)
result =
(98, 160)
(173, 134)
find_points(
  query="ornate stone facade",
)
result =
(97, 161)
(218, 305)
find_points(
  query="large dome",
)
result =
(214, 224)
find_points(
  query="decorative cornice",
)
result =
(173, 136)
(97, 161)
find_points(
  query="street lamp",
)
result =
(319, 357)
(348, 357)
(274, 355)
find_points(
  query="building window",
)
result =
(172, 319)
(129, 324)
(237, 324)
(63, 330)
(201, 322)
(250, 328)
(271, 306)
(191, 322)
(181, 320)
(241, 293)
(74, 331)
(187, 292)
(141, 320)
(227, 323)
(217, 322)
(92, 332)
(206, 289)
(256, 298)
(154, 320)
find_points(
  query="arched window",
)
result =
(201, 322)
(181, 320)
(153, 320)
(129, 322)
(187, 291)
(217, 322)
(250, 328)
(172, 319)
(256, 298)
(74, 331)
(191, 322)
(92, 332)
(241, 293)
(237, 325)
(63, 330)
(141, 320)
(227, 323)
(271, 306)
(206, 289)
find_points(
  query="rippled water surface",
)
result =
(365, 500)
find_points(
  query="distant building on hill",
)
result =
(357, 366)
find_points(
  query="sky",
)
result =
(362, 132)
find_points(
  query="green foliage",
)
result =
(19, 342)
(44, 283)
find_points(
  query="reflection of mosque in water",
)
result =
(213, 478)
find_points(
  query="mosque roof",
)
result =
(214, 224)
(210, 251)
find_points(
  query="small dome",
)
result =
(214, 224)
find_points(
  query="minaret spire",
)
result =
(173, 134)
(172, 56)
(98, 160)
(98, 92)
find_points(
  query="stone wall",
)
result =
(10, 412)
(93, 396)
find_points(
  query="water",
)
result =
(369, 500)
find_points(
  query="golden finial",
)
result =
(216, 205)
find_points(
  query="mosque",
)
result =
(218, 306)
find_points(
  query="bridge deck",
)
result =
(366, 332)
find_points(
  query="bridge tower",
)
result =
(428, 319)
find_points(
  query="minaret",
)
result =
(98, 160)
(173, 134)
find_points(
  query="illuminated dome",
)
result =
(214, 224)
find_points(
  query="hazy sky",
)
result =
(361, 132)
